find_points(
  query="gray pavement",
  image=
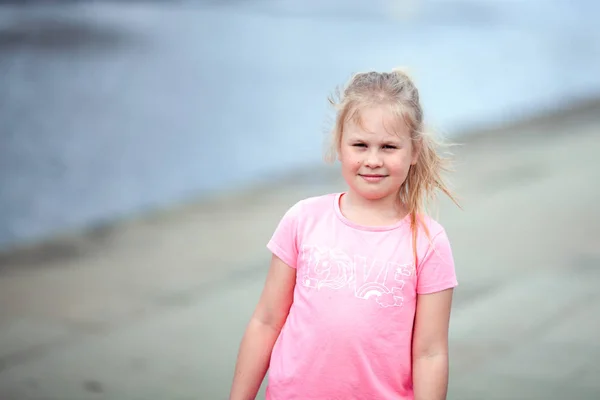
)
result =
(154, 308)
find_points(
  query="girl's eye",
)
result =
(359, 145)
(389, 146)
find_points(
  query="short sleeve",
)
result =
(284, 242)
(436, 271)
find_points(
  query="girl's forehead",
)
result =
(378, 121)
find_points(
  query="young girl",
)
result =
(356, 304)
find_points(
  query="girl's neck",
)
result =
(384, 211)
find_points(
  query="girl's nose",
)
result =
(373, 160)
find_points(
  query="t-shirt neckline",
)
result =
(352, 224)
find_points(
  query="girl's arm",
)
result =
(263, 330)
(430, 345)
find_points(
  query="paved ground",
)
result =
(155, 308)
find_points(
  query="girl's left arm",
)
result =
(430, 345)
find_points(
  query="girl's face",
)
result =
(375, 160)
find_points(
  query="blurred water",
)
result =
(112, 108)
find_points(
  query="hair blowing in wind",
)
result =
(397, 91)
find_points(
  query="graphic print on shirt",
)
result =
(369, 279)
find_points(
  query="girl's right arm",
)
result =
(262, 330)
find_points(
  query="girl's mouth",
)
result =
(372, 177)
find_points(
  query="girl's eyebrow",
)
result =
(358, 138)
(394, 142)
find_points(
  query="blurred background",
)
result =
(149, 148)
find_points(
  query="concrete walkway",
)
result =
(155, 308)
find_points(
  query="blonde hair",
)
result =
(397, 90)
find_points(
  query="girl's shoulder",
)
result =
(431, 234)
(314, 205)
(430, 225)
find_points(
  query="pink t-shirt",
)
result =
(349, 331)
